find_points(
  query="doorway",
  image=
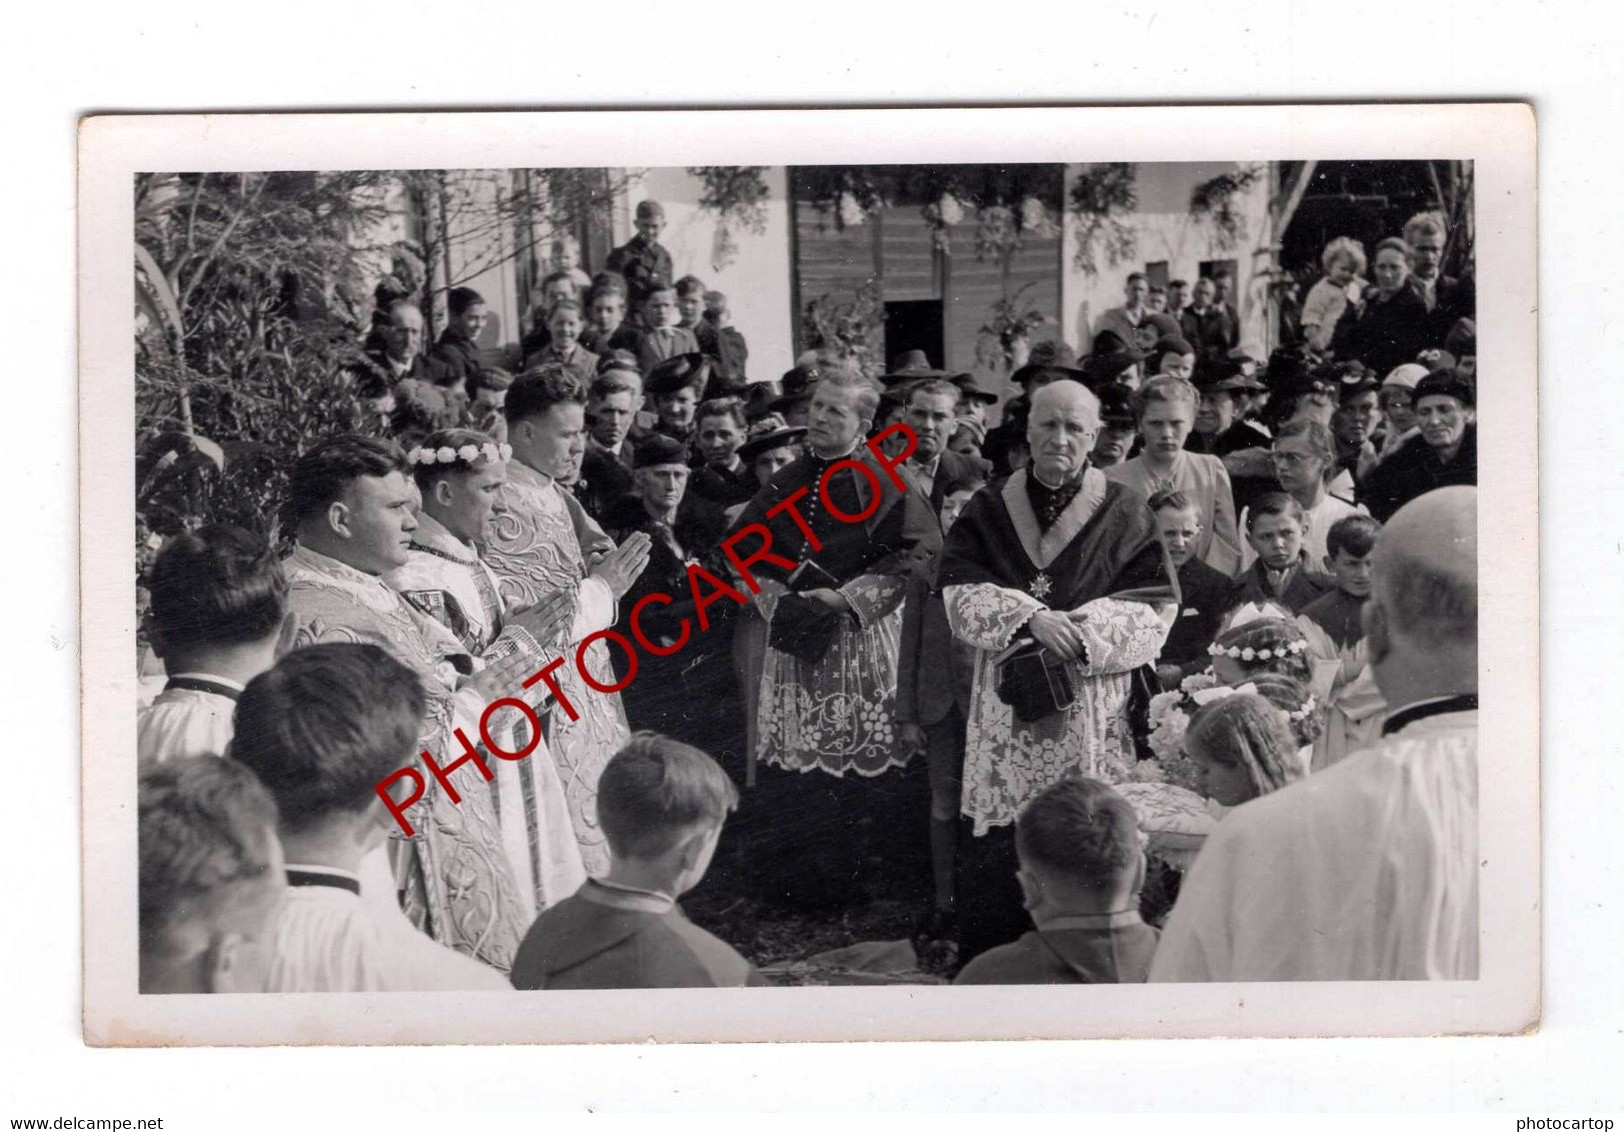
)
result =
(914, 325)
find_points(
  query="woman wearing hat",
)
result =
(1443, 455)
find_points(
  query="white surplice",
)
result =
(540, 545)
(330, 939)
(181, 722)
(1367, 870)
(446, 579)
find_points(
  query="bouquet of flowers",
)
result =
(1170, 714)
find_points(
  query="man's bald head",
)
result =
(1425, 570)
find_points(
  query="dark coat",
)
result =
(1415, 470)
(726, 348)
(1207, 594)
(723, 486)
(1384, 334)
(377, 376)
(605, 480)
(1212, 333)
(457, 352)
(625, 337)
(646, 267)
(1306, 584)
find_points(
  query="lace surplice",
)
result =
(1008, 762)
(535, 550)
(453, 874)
(838, 714)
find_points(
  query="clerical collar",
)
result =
(1421, 709)
(322, 876)
(822, 459)
(1073, 921)
(1049, 503)
(204, 682)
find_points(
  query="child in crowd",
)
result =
(661, 804)
(321, 730)
(1207, 593)
(1081, 868)
(218, 618)
(662, 337)
(722, 342)
(564, 326)
(1174, 357)
(555, 288)
(567, 262)
(1257, 638)
(690, 302)
(1334, 626)
(643, 261)
(608, 329)
(1344, 263)
(1304, 710)
(1282, 572)
(210, 878)
(1244, 748)
(458, 345)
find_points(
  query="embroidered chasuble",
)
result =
(1000, 565)
(838, 714)
(542, 544)
(453, 874)
(446, 579)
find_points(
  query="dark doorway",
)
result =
(914, 325)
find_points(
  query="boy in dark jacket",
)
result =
(1081, 868)
(661, 804)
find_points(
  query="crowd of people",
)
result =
(1168, 673)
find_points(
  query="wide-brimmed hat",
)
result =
(914, 365)
(1226, 376)
(1103, 368)
(659, 451)
(768, 433)
(1027, 374)
(683, 371)
(972, 390)
(1116, 406)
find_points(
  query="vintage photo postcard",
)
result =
(809, 575)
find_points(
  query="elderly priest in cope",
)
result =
(1055, 575)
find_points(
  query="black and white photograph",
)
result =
(1011, 587)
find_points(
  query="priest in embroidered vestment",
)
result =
(543, 542)
(1368, 869)
(826, 712)
(1039, 554)
(351, 508)
(460, 474)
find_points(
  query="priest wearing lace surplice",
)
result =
(1038, 556)
(829, 680)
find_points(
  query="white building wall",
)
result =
(1167, 231)
(757, 282)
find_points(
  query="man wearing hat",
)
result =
(1118, 427)
(798, 385)
(1121, 366)
(1444, 455)
(911, 366)
(974, 398)
(1219, 427)
(1354, 424)
(642, 261)
(677, 385)
(668, 693)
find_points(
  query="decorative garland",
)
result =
(469, 454)
(1279, 651)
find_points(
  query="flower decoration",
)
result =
(851, 213)
(948, 210)
(1249, 653)
(469, 454)
(1169, 715)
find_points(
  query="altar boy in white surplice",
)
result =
(1369, 869)
(352, 509)
(218, 619)
(542, 543)
(460, 474)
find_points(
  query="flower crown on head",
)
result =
(1249, 653)
(469, 454)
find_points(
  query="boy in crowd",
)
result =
(1174, 357)
(321, 730)
(457, 347)
(555, 289)
(722, 478)
(720, 341)
(1282, 573)
(642, 261)
(218, 619)
(607, 330)
(663, 338)
(210, 877)
(1207, 594)
(1081, 867)
(690, 291)
(1334, 626)
(486, 410)
(661, 804)
(564, 343)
